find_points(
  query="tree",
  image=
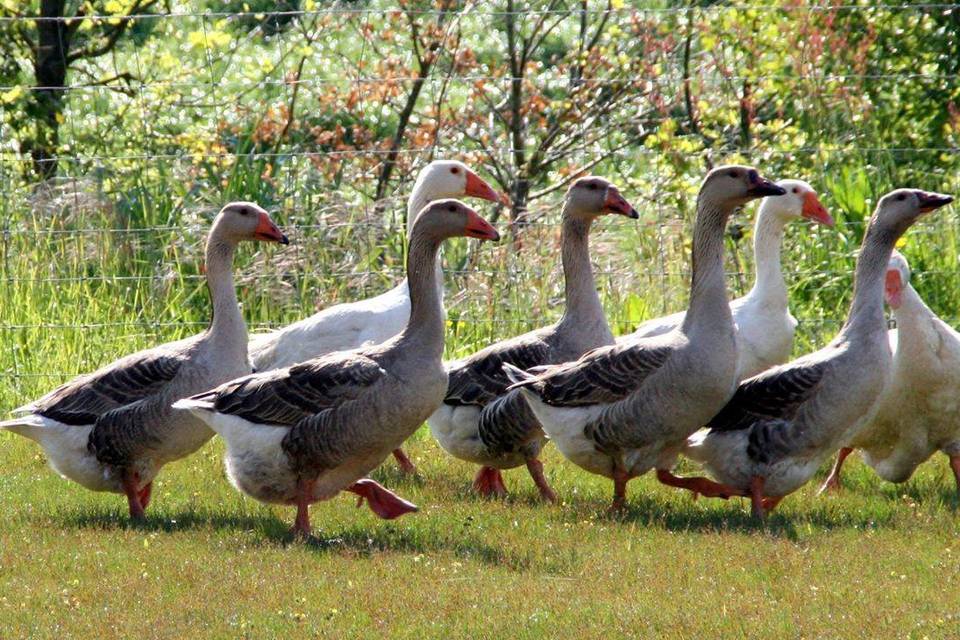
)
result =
(55, 37)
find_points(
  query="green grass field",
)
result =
(878, 561)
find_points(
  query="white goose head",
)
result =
(452, 179)
(799, 201)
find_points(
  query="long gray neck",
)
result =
(866, 309)
(708, 290)
(424, 331)
(583, 308)
(767, 243)
(227, 321)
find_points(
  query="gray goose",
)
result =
(782, 424)
(762, 318)
(364, 322)
(918, 414)
(479, 420)
(304, 433)
(113, 429)
(623, 409)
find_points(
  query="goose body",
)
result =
(782, 424)
(762, 317)
(375, 320)
(480, 420)
(113, 429)
(623, 409)
(306, 432)
(919, 411)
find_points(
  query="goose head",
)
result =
(593, 196)
(239, 221)
(799, 201)
(735, 185)
(451, 218)
(452, 179)
(900, 208)
(897, 278)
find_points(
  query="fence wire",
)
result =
(324, 114)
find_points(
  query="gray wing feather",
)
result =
(480, 378)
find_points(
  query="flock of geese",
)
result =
(310, 410)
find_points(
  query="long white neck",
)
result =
(424, 331)
(709, 305)
(912, 309)
(769, 286)
(228, 324)
(866, 309)
(420, 197)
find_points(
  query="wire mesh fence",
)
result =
(324, 112)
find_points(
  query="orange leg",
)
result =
(756, 497)
(535, 467)
(489, 483)
(620, 479)
(145, 494)
(769, 504)
(699, 486)
(130, 480)
(301, 526)
(405, 464)
(832, 483)
(955, 465)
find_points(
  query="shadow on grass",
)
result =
(734, 515)
(464, 539)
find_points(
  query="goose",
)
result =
(918, 413)
(782, 424)
(113, 429)
(623, 409)
(479, 421)
(762, 318)
(374, 320)
(304, 433)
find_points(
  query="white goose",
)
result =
(307, 432)
(919, 412)
(623, 409)
(479, 420)
(762, 318)
(113, 429)
(374, 320)
(781, 425)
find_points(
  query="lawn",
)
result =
(878, 561)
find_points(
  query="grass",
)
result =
(877, 561)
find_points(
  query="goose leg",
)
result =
(620, 479)
(301, 526)
(145, 494)
(535, 467)
(382, 501)
(130, 480)
(832, 483)
(405, 464)
(699, 486)
(955, 465)
(756, 497)
(769, 504)
(489, 482)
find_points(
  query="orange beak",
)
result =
(267, 230)
(616, 203)
(477, 227)
(478, 188)
(893, 288)
(814, 210)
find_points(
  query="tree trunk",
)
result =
(50, 71)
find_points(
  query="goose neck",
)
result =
(424, 331)
(708, 288)
(583, 306)
(227, 320)
(866, 309)
(767, 245)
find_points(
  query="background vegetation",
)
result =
(121, 136)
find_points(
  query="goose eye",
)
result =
(734, 174)
(451, 208)
(455, 170)
(592, 187)
(795, 190)
(901, 197)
